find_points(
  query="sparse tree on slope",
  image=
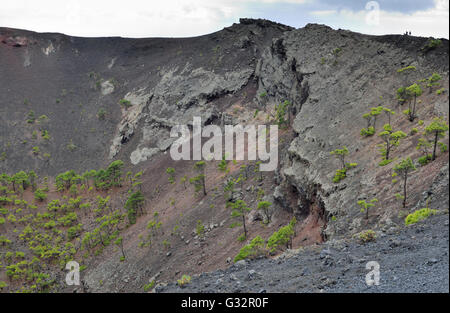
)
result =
(436, 130)
(403, 169)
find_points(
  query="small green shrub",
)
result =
(185, 279)
(45, 135)
(223, 165)
(440, 91)
(40, 195)
(31, 117)
(384, 162)
(340, 175)
(367, 132)
(125, 103)
(171, 172)
(410, 67)
(431, 45)
(442, 146)
(101, 114)
(282, 237)
(149, 286)
(133, 205)
(200, 228)
(242, 238)
(419, 215)
(424, 160)
(367, 236)
(254, 249)
(71, 147)
(336, 51)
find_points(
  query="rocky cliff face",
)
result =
(70, 80)
(333, 78)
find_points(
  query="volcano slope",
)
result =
(71, 105)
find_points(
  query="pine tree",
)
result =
(436, 130)
(391, 139)
(403, 169)
(239, 210)
(199, 180)
(412, 92)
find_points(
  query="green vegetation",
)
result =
(171, 172)
(199, 180)
(101, 114)
(149, 286)
(282, 237)
(254, 249)
(407, 68)
(367, 132)
(340, 155)
(119, 243)
(440, 91)
(134, 205)
(391, 139)
(436, 130)
(183, 181)
(40, 195)
(412, 92)
(401, 95)
(365, 206)
(125, 103)
(258, 170)
(374, 112)
(403, 169)
(45, 135)
(71, 146)
(424, 146)
(341, 173)
(367, 236)
(185, 279)
(31, 118)
(223, 164)
(431, 45)
(280, 113)
(240, 210)
(200, 229)
(371, 119)
(266, 209)
(419, 215)
(336, 53)
(433, 80)
(388, 113)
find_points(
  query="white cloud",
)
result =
(131, 18)
(433, 22)
(184, 18)
(323, 12)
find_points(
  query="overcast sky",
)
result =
(185, 18)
